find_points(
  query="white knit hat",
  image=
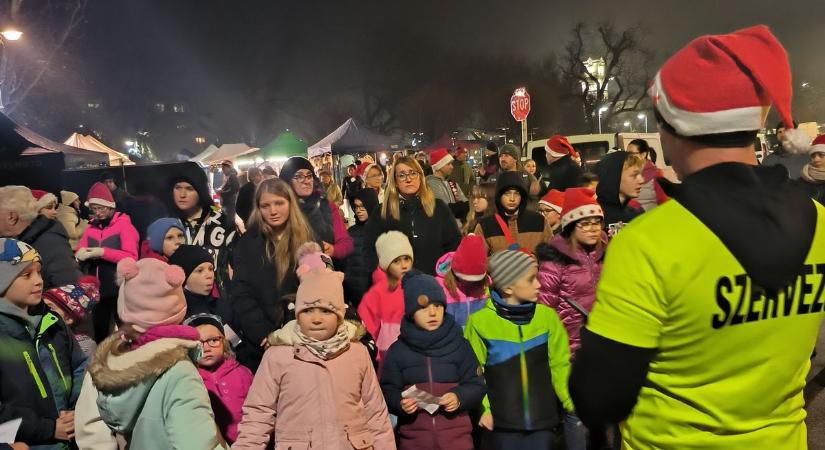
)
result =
(391, 245)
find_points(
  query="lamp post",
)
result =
(643, 116)
(601, 110)
(627, 124)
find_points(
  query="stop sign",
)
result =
(520, 104)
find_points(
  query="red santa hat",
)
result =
(553, 199)
(818, 145)
(578, 204)
(362, 169)
(470, 259)
(99, 194)
(558, 146)
(440, 158)
(727, 83)
(43, 198)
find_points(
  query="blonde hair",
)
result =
(391, 206)
(633, 162)
(19, 199)
(486, 191)
(296, 230)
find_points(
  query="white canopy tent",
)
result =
(214, 154)
(92, 144)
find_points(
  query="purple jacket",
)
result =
(565, 274)
(227, 386)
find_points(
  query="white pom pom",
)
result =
(796, 141)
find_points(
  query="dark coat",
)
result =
(438, 362)
(50, 239)
(562, 174)
(358, 275)
(815, 190)
(430, 237)
(609, 171)
(256, 296)
(246, 201)
(201, 304)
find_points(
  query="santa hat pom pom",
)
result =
(174, 276)
(126, 270)
(307, 248)
(796, 141)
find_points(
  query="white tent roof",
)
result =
(214, 154)
(325, 144)
(91, 143)
(203, 156)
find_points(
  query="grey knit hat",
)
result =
(14, 257)
(506, 267)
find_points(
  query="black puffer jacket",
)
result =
(358, 275)
(562, 174)
(609, 171)
(50, 239)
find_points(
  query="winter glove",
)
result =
(86, 253)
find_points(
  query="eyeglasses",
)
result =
(98, 208)
(301, 178)
(213, 342)
(411, 175)
(357, 207)
(590, 224)
(545, 212)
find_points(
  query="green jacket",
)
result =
(463, 177)
(526, 366)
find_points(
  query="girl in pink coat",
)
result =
(570, 265)
(463, 276)
(226, 380)
(316, 387)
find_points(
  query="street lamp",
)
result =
(626, 124)
(601, 110)
(643, 116)
(11, 33)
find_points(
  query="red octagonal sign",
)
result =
(520, 104)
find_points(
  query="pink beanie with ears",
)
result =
(151, 293)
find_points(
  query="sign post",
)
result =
(520, 109)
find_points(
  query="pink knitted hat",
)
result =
(151, 293)
(321, 288)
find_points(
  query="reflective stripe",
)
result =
(35, 375)
(59, 369)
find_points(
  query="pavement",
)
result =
(815, 396)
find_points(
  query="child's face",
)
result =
(511, 199)
(399, 266)
(59, 311)
(318, 323)
(201, 279)
(430, 317)
(27, 289)
(174, 238)
(526, 289)
(214, 350)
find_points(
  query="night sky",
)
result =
(227, 58)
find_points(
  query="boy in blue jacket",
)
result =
(42, 365)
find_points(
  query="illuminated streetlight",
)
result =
(129, 143)
(643, 116)
(806, 84)
(11, 34)
(601, 110)
(627, 124)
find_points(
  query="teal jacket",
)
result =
(526, 366)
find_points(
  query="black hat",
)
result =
(205, 319)
(511, 180)
(293, 165)
(492, 147)
(189, 257)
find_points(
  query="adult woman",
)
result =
(46, 203)
(374, 179)
(322, 215)
(265, 267)
(812, 178)
(68, 214)
(410, 207)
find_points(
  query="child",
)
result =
(163, 237)
(42, 368)
(74, 304)
(432, 354)
(316, 382)
(142, 383)
(382, 307)
(357, 278)
(225, 378)
(198, 268)
(550, 207)
(463, 275)
(523, 350)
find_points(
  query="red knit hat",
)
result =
(578, 204)
(470, 259)
(77, 299)
(726, 83)
(559, 146)
(553, 199)
(818, 145)
(99, 194)
(440, 158)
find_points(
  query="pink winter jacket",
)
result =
(381, 311)
(312, 403)
(565, 274)
(463, 305)
(227, 386)
(119, 240)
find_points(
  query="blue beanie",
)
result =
(157, 232)
(420, 290)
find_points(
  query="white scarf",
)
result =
(812, 174)
(291, 334)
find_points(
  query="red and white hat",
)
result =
(818, 145)
(553, 199)
(99, 194)
(558, 146)
(726, 83)
(43, 198)
(470, 259)
(440, 158)
(578, 204)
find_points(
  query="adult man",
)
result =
(421, 157)
(462, 172)
(561, 172)
(229, 189)
(246, 196)
(352, 183)
(709, 306)
(121, 196)
(19, 220)
(791, 161)
(444, 189)
(508, 160)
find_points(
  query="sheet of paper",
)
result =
(8, 431)
(426, 401)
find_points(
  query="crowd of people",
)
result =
(506, 308)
